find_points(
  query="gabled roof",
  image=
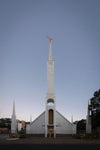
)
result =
(63, 117)
(37, 118)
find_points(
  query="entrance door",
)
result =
(50, 122)
(50, 131)
(51, 116)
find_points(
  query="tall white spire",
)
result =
(88, 121)
(50, 96)
(50, 49)
(50, 71)
(14, 107)
(72, 119)
(30, 118)
(13, 121)
(88, 112)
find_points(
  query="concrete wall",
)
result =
(37, 126)
(63, 126)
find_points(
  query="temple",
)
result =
(51, 122)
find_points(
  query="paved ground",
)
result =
(50, 147)
(41, 143)
(4, 139)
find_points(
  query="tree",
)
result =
(95, 109)
(81, 126)
(5, 123)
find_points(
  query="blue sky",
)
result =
(74, 26)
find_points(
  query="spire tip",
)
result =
(50, 39)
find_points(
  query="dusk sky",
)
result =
(74, 26)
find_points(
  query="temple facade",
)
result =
(50, 122)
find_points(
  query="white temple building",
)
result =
(51, 121)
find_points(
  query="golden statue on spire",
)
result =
(50, 39)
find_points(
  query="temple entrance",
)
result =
(50, 117)
(50, 131)
(50, 124)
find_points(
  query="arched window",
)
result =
(50, 102)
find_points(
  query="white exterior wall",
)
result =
(37, 126)
(13, 121)
(74, 128)
(50, 76)
(88, 124)
(63, 126)
(88, 121)
(28, 129)
(13, 124)
(19, 126)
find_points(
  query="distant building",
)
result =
(5, 125)
(21, 125)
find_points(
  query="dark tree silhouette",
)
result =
(95, 109)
